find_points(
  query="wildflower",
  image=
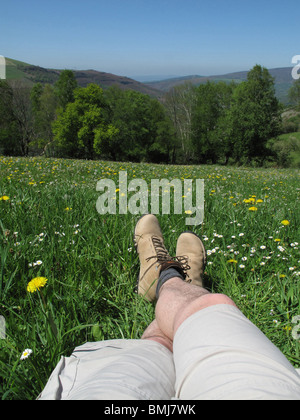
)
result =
(36, 284)
(4, 198)
(242, 266)
(68, 208)
(259, 200)
(26, 353)
(285, 222)
(263, 247)
(252, 209)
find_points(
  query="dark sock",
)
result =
(165, 275)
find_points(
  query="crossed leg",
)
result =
(178, 301)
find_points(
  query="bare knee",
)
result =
(199, 304)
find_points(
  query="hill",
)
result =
(282, 76)
(30, 74)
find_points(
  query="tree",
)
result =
(16, 116)
(179, 103)
(44, 103)
(65, 87)
(208, 121)
(294, 93)
(144, 131)
(9, 134)
(254, 117)
(80, 128)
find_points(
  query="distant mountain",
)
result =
(283, 81)
(31, 74)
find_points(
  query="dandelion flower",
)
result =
(285, 222)
(36, 284)
(4, 198)
(26, 353)
(232, 261)
(252, 209)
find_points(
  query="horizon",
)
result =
(150, 78)
(153, 40)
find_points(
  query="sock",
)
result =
(165, 275)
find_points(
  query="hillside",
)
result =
(30, 74)
(282, 76)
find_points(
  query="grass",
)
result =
(49, 227)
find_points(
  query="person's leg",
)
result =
(218, 353)
(179, 300)
(154, 333)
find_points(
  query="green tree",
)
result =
(254, 117)
(179, 103)
(65, 87)
(209, 122)
(144, 131)
(294, 93)
(80, 128)
(9, 134)
(16, 121)
(44, 103)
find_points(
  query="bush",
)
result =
(287, 150)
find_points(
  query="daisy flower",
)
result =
(26, 353)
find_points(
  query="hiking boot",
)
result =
(190, 251)
(153, 255)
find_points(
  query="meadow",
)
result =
(50, 229)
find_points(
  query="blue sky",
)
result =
(151, 37)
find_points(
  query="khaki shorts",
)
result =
(218, 354)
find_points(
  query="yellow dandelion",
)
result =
(252, 209)
(36, 284)
(259, 200)
(68, 208)
(188, 212)
(285, 222)
(4, 198)
(232, 261)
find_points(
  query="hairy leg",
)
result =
(179, 300)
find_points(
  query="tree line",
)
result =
(212, 123)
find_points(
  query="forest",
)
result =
(213, 123)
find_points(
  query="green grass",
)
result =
(91, 265)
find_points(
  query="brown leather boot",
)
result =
(191, 251)
(153, 255)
